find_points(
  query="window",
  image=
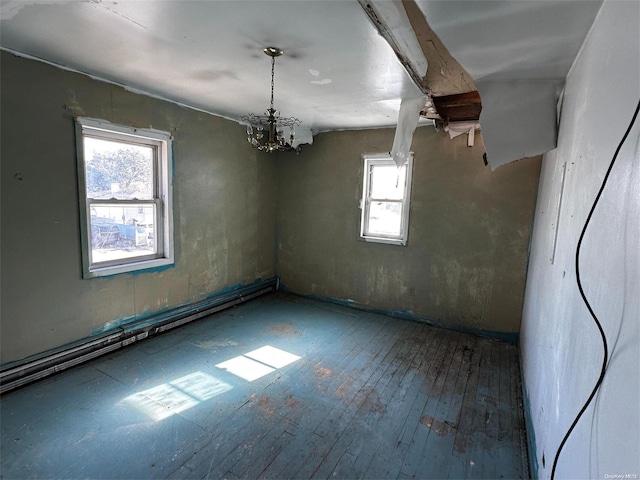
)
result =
(385, 200)
(124, 181)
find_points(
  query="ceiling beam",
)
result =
(390, 20)
(460, 107)
(425, 58)
(445, 76)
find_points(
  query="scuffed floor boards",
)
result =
(279, 387)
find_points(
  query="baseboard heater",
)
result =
(30, 369)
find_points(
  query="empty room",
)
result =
(340, 239)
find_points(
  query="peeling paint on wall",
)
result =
(518, 119)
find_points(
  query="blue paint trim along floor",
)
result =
(280, 387)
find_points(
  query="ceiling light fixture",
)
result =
(266, 132)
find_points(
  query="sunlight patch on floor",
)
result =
(178, 395)
(258, 363)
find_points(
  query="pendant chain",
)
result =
(273, 64)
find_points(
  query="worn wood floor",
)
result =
(282, 387)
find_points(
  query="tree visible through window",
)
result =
(114, 171)
(125, 185)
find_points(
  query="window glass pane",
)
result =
(118, 170)
(387, 182)
(122, 231)
(385, 218)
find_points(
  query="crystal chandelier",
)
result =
(266, 132)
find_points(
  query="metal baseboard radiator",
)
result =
(30, 369)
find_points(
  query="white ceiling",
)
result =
(505, 40)
(336, 73)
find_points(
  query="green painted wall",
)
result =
(241, 215)
(466, 256)
(224, 209)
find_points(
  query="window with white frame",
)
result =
(124, 182)
(385, 200)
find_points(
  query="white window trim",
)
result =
(163, 198)
(385, 159)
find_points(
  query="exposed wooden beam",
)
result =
(459, 107)
(403, 56)
(445, 76)
(451, 92)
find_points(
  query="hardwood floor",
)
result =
(281, 387)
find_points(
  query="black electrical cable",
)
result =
(584, 298)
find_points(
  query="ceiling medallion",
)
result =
(266, 132)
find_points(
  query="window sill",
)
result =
(157, 263)
(388, 241)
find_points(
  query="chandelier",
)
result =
(266, 132)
